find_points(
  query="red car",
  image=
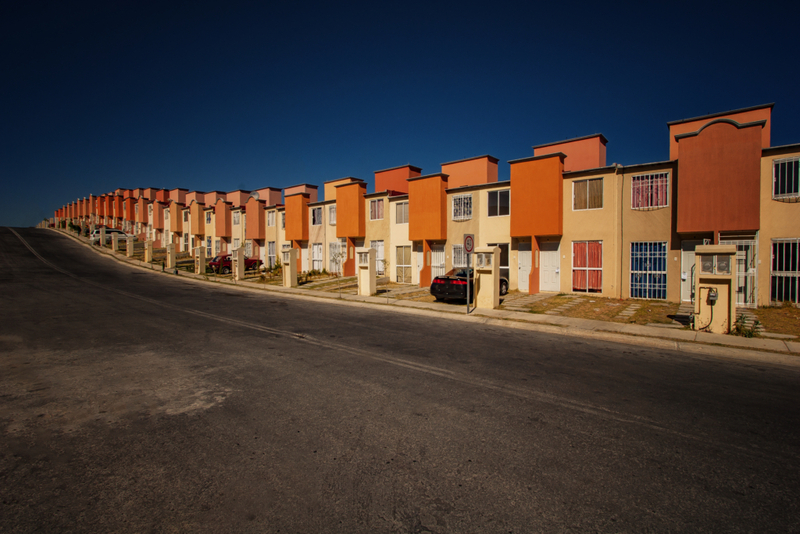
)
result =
(222, 264)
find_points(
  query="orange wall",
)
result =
(162, 195)
(118, 207)
(583, 153)
(396, 179)
(142, 202)
(427, 207)
(222, 218)
(197, 219)
(718, 179)
(350, 211)
(753, 115)
(177, 194)
(127, 209)
(270, 195)
(537, 196)
(194, 195)
(237, 198)
(158, 215)
(255, 219)
(475, 171)
(176, 217)
(311, 190)
(210, 198)
(297, 217)
(330, 187)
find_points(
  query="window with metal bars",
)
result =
(650, 191)
(786, 178)
(208, 247)
(316, 216)
(248, 248)
(587, 266)
(785, 271)
(649, 270)
(332, 215)
(587, 194)
(236, 216)
(462, 207)
(459, 256)
(271, 259)
(403, 264)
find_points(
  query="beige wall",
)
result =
(593, 225)
(398, 237)
(649, 225)
(378, 230)
(779, 219)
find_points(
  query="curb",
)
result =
(696, 343)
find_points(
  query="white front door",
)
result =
(687, 269)
(524, 265)
(549, 268)
(420, 259)
(304, 258)
(437, 261)
(379, 257)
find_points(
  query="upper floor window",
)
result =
(270, 218)
(376, 209)
(136, 209)
(786, 178)
(166, 215)
(332, 215)
(587, 194)
(283, 220)
(185, 216)
(402, 213)
(499, 203)
(650, 191)
(462, 207)
(316, 216)
(236, 216)
(208, 217)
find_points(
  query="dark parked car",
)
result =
(222, 264)
(453, 285)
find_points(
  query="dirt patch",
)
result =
(780, 319)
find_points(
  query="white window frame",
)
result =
(459, 257)
(208, 246)
(401, 213)
(401, 267)
(235, 243)
(792, 163)
(462, 207)
(216, 247)
(380, 255)
(587, 180)
(236, 218)
(316, 256)
(648, 263)
(648, 183)
(316, 216)
(248, 248)
(334, 248)
(332, 215)
(488, 203)
(271, 257)
(376, 209)
(270, 218)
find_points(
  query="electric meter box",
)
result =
(367, 283)
(715, 291)
(289, 267)
(487, 277)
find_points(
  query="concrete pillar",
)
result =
(171, 260)
(200, 260)
(487, 277)
(367, 283)
(237, 263)
(102, 241)
(148, 251)
(115, 242)
(289, 267)
(129, 246)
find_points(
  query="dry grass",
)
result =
(780, 319)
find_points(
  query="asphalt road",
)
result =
(133, 401)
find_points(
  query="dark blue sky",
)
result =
(230, 95)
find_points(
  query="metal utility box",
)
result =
(200, 260)
(715, 298)
(289, 267)
(487, 277)
(367, 284)
(237, 263)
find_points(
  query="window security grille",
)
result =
(462, 207)
(332, 215)
(271, 259)
(208, 247)
(376, 209)
(248, 249)
(316, 217)
(316, 256)
(379, 257)
(649, 270)
(236, 216)
(208, 217)
(499, 203)
(786, 178)
(587, 266)
(270, 218)
(401, 213)
(403, 264)
(785, 271)
(459, 256)
(587, 194)
(650, 191)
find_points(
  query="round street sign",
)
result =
(469, 243)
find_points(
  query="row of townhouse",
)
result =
(565, 221)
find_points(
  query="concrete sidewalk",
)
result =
(717, 345)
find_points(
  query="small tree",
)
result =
(337, 258)
(385, 263)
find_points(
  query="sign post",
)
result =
(469, 246)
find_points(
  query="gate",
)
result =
(437, 261)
